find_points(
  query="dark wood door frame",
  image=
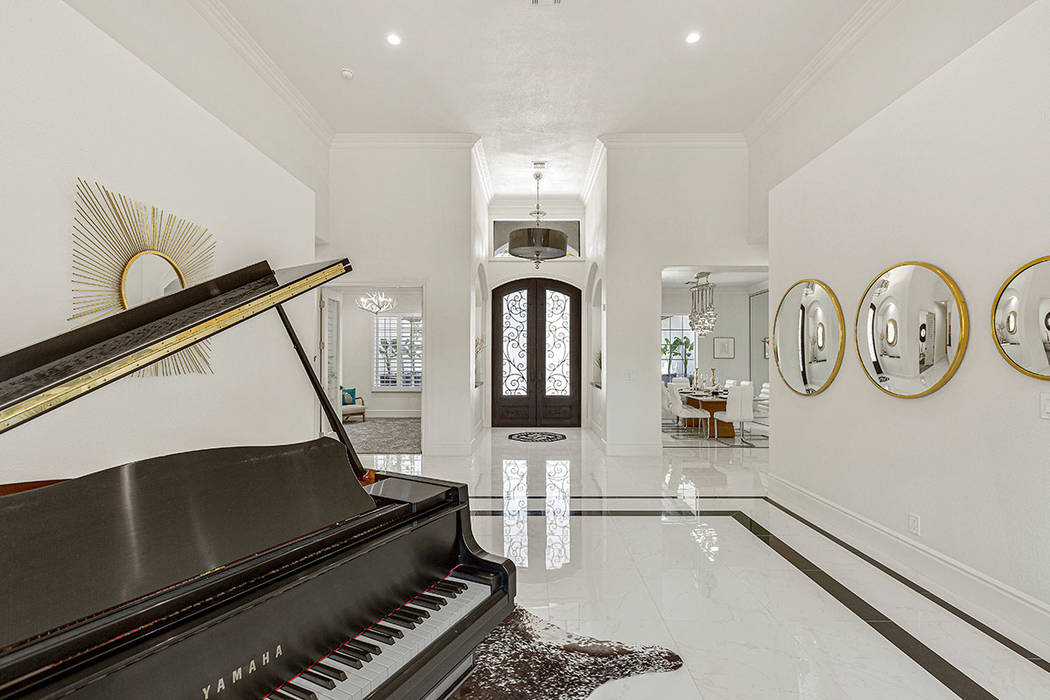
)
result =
(534, 408)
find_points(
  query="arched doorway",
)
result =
(536, 354)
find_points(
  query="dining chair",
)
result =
(739, 408)
(680, 410)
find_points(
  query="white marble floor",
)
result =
(645, 550)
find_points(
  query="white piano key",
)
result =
(360, 682)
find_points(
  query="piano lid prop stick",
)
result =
(326, 405)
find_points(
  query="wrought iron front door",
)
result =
(536, 354)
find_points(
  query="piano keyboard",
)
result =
(364, 663)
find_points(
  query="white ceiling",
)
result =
(680, 277)
(542, 82)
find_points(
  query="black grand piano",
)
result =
(284, 572)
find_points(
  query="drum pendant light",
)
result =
(537, 243)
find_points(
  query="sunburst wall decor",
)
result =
(125, 253)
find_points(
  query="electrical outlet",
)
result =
(628, 375)
(914, 524)
(1044, 406)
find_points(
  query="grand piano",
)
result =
(286, 572)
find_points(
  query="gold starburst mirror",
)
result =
(127, 253)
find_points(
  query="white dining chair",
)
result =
(762, 402)
(739, 408)
(680, 410)
(680, 382)
(730, 382)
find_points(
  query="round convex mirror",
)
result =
(808, 337)
(1021, 319)
(912, 327)
(149, 275)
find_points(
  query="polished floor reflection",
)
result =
(647, 550)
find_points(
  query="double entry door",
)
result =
(536, 354)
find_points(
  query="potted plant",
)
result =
(686, 348)
(669, 349)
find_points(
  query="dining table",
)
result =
(712, 401)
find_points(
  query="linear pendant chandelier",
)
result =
(537, 243)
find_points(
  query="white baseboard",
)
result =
(633, 449)
(1013, 613)
(393, 413)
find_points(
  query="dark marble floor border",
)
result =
(933, 663)
(900, 578)
(925, 593)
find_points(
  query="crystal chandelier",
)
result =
(702, 317)
(376, 302)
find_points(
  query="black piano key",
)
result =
(296, 692)
(387, 629)
(428, 601)
(364, 646)
(379, 636)
(447, 591)
(356, 652)
(331, 671)
(462, 587)
(318, 679)
(401, 620)
(349, 659)
(418, 612)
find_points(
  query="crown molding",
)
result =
(590, 180)
(482, 164)
(858, 26)
(234, 33)
(672, 141)
(435, 141)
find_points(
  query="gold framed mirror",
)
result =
(149, 275)
(809, 337)
(1021, 319)
(911, 330)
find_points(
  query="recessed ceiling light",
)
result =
(347, 73)
(692, 37)
(393, 39)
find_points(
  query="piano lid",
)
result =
(78, 549)
(40, 377)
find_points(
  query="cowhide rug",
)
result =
(528, 658)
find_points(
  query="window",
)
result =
(891, 332)
(399, 352)
(1011, 322)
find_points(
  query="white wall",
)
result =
(358, 348)
(480, 243)
(671, 200)
(594, 243)
(188, 42)
(890, 48)
(956, 172)
(77, 104)
(732, 304)
(401, 211)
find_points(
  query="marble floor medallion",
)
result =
(536, 436)
(527, 657)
